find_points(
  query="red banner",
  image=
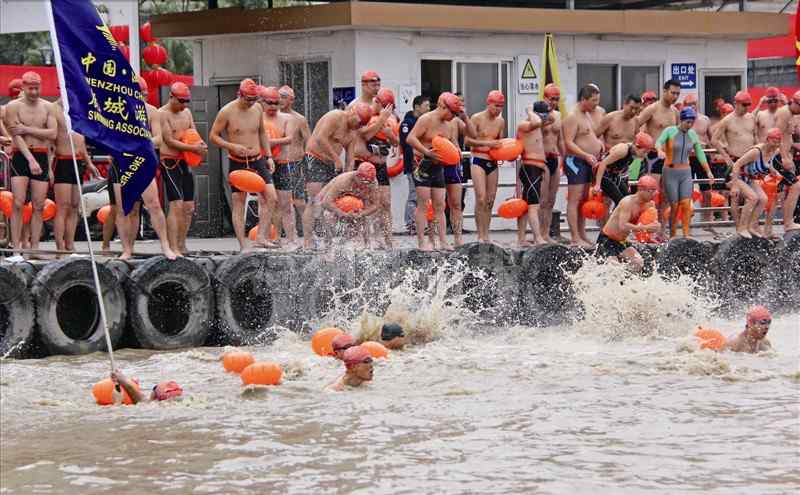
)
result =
(797, 39)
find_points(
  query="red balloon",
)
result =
(120, 33)
(161, 77)
(155, 54)
(125, 50)
(146, 32)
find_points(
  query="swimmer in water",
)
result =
(162, 391)
(392, 336)
(358, 362)
(753, 338)
(340, 344)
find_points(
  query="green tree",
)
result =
(26, 49)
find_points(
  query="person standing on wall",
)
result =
(421, 105)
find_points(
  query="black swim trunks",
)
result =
(64, 171)
(608, 247)
(319, 170)
(256, 164)
(178, 179)
(488, 166)
(19, 165)
(615, 186)
(429, 174)
(531, 178)
(552, 163)
(577, 170)
(288, 176)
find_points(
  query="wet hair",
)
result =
(633, 99)
(391, 331)
(670, 83)
(588, 91)
(420, 100)
(458, 93)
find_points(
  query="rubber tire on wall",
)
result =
(547, 295)
(493, 295)
(684, 257)
(270, 273)
(788, 268)
(53, 281)
(193, 279)
(741, 270)
(19, 313)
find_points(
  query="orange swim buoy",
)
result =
(102, 392)
(647, 217)
(49, 211)
(376, 349)
(380, 135)
(6, 203)
(429, 212)
(513, 208)
(593, 207)
(348, 203)
(322, 340)
(274, 133)
(397, 168)
(273, 233)
(710, 338)
(191, 136)
(247, 181)
(697, 196)
(509, 149)
(718, 200)
(236, 361)
(446, 150)
(266, 373)
(27, 212)
(102, 213)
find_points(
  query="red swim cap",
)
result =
(772, 92)
(775, 134)
(451, 102)
(142, 84)
(363, 111)
(690, 99)
(647, 182)
(180, 90)
(269, 93)
(14, 88)
(370, 76)
(643, 141)
(551, 90)
(366, 171)
(743, 97)
(758, 313)
(342, 342)
(649, 96)
(385, 97)
(355, 356)
(31, 78)
(726, 109)
(248, 88)
(167, 390)
(495, 97)
(286, 91)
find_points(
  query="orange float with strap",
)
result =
(102, 213)
(322, 340)
(648, 216)
(709, 338)
(266, 373)
(237, 361)
(593, 207)
(397, 168)
(247, 181)
(509, 150)
(349, 204)
(376, 349)
(191, 137)
(448, 153)
(104, 389)
(6, 203)
(513, 208)
(49, 211)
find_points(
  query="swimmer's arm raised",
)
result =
(531, 124)
(470, 130)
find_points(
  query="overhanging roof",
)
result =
(426, 17)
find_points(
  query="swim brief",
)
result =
(488, 166)
(608, 247)
(551, 159)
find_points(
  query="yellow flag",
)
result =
(549, 72)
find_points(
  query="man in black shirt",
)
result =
(422, 104)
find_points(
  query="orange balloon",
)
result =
(349, 204)
(236, 361)
(253, 234)
(102, 213)
(274, 133)
(593, 207)
(49, 211)
(102, 392)
(643, 237)
(322, 341)
(262, 374)
(247, 181)
(446, 150)
(718, 200)
(27, 212)
(376, 349)
(509, 149)
(513, 208)
(648, 216)
(6, 203)
(429, 213)
(710, 338)
(191, 136)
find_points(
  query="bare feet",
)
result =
(581, 243)
(791, 226)
(524, 244)
(756, 232)
(127, 255)
(446, 247)
(458, 241)
(744, 233)
(425, 246)
(170, 254)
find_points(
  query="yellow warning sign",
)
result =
(528, 72)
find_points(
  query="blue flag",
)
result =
(101, 93)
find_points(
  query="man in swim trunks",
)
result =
(341, 343)
(422, 105)
(613, 240)
(277, 124)
(675, 144)
(533, 170)
(363, 185)
(358, 362)
(753, 338)
(32, 124)
(372, 144)
(583, 149)
(733, 136)
(162, 391)
(787, 165)
(655, 118)
(65, 183)
(554, 151)
(620, 126)
(295, 152)
(429, 176)
(392, 336)
(455, 177)
(611, 176)
(243, 123)
(333, 134)
(489, 128)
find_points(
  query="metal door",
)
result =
(208, 176)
